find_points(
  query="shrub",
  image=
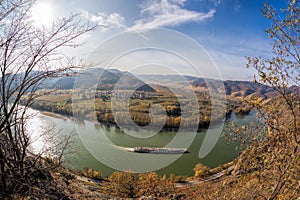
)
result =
(91, 173)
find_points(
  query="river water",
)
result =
(78, 157)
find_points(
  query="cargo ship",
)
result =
(159, 150)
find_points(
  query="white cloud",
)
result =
(217, 2)
(105, 21)
(214, 2)
(237, 6)
(154, 14)
(160, 13)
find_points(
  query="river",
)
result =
(79, 157)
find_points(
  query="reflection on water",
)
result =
(80, 157)
(36, 129)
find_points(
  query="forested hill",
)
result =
(102, 79)
(234, 89)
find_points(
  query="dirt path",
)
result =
(209, 178)
(85, 179)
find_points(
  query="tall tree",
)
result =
(28, 55)
(272, 161)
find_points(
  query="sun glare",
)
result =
(42, 14)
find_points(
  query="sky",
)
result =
(226, 30)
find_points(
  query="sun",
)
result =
(42, 13)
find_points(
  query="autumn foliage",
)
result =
(133, 185)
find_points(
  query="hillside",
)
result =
(101, 79)
(234, 89)
(107, 80)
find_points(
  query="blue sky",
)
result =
(228, 30)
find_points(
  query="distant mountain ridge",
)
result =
(235, 89)
(107, 79)
(101, 79)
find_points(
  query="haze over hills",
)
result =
(236, 89)
(107, 79)
(100, 79)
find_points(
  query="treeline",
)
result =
(59, 108)
(149, 185)
(140, 110)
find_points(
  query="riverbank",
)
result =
(201, 126)
(100, 110)
(55, 115)
(96, 188)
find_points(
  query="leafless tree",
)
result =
(29, 55)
